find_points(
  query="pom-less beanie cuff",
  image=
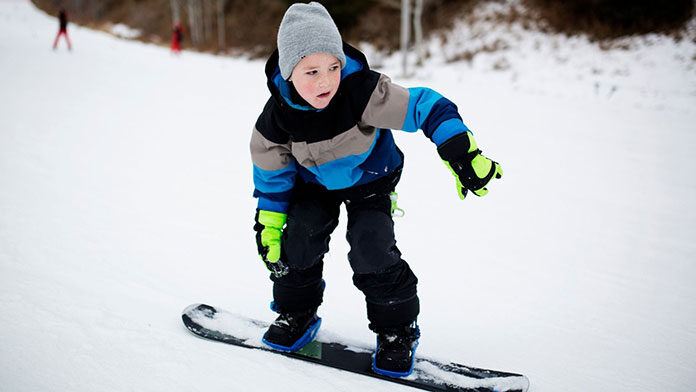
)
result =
(307, 29)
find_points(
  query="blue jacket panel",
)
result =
(347, 143)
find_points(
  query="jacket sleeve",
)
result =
(411, 109)
(274, 166)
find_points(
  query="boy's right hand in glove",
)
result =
(472, 170)
(269, 229)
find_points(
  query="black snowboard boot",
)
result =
(395, 350)
(292, 330)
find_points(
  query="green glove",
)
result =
(269, 229)
(472, 170)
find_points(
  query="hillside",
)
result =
(376, 22)
(126, 195)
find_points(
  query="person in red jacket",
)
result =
(63, 19)
(177, 36)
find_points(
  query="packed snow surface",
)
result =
(125, 195)
(123, 31)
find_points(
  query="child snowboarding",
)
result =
(63, 29)
(324, 139)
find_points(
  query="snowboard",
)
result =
(428, 374)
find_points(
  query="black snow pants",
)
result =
(379, 272)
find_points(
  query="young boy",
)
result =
(324, 139)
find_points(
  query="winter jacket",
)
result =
(349, 142)
(63, 20)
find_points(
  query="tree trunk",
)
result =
(194, 15)
(221, 24)
(418, 31)
(176, 13)
(207, 14)
(405, 34)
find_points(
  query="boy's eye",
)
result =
(333, 68)
(312, 72)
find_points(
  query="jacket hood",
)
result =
(282, 90)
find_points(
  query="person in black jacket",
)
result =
(322, 140)
(63, 29)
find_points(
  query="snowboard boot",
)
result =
(396, 347)
(292, 330)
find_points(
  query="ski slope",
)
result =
(125, 195)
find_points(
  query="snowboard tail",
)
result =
(430, 375)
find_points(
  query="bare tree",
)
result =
(195, 23)
(418, 31)
(221, 24)
(406, 20)
(405, 34)
(176, 11)
(201, 16)
(207, 16)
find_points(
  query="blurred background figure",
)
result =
(177, 36)
(63, 20)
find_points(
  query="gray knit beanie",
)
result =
(307, 29)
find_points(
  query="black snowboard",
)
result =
(217, 324)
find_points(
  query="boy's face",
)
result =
(316, 78)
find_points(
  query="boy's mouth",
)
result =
(324, 95)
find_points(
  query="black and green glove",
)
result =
(269, 229)
(472, 170)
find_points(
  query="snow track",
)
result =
(125, 194)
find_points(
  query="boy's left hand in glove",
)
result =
(472, 170)
(269, 229)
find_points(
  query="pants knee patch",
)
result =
(372, 243)
(306, 237)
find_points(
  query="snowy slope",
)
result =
(125, 195)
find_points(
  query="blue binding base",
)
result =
(301, 342)
(389, 373)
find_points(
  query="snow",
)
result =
(124, 31)
(125, 195)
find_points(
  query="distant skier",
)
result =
(323, 139)
(63, 20)
(177, 36)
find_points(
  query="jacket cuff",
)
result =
(272, 205)
(457, 147)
